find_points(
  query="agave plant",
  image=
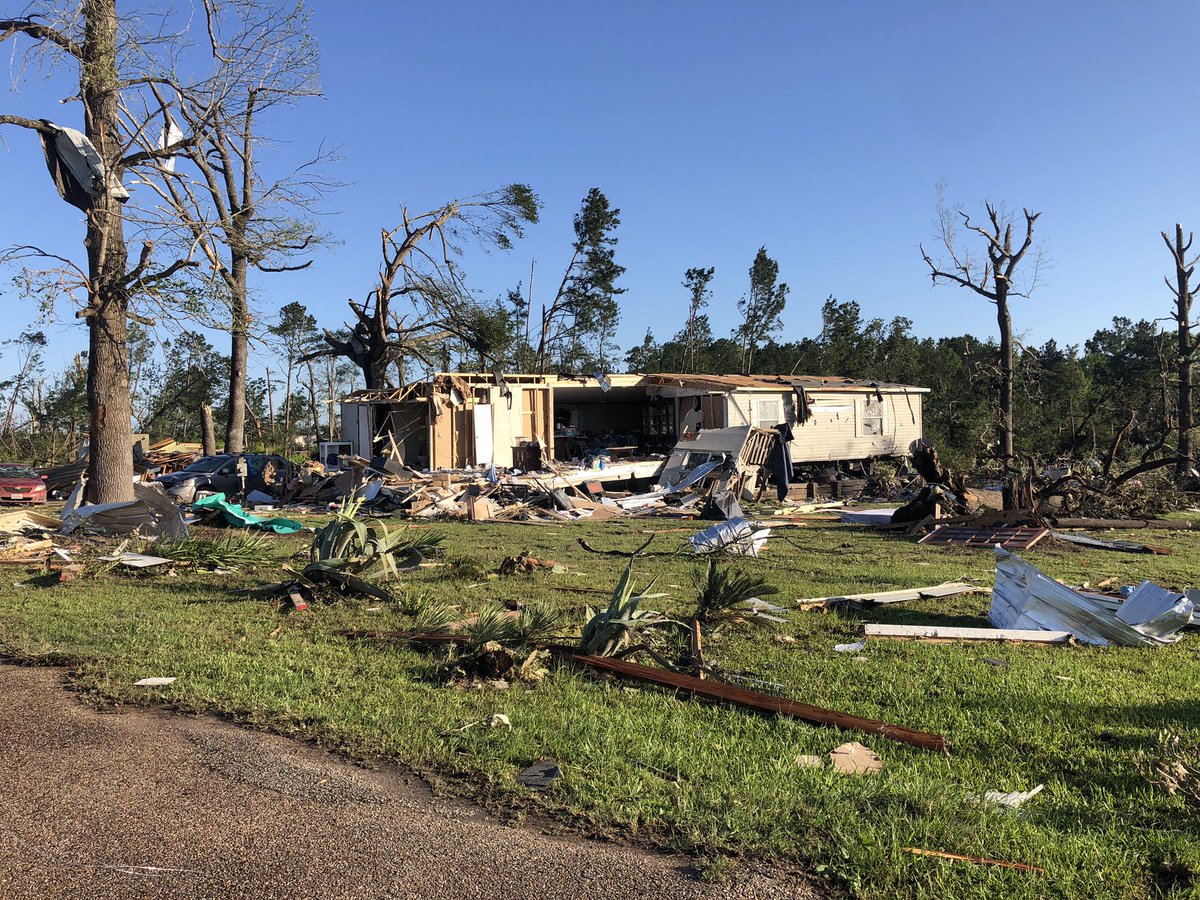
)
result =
(353, 554)
(609, 631)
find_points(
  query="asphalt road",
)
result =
(146, 804)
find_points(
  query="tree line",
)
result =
(212, 220)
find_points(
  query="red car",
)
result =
(20, 484)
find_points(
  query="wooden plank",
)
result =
(949, 589)
(948, 633)
(728, 693)
(1169, 524)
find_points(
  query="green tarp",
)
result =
(234, 515)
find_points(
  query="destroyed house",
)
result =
(459, 420)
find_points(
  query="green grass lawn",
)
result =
(706, 780)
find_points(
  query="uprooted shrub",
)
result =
(1174, 766)
(231, 550)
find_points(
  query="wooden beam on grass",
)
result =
(728, 693)
(949, 589)
(946, 634)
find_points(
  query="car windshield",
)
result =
(17, 472)
(207, 464)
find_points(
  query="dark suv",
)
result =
(264, 472)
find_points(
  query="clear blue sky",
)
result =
(816, 129)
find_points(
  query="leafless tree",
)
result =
(1188, 344)
(117, 58)
(421, 269)
(223, 203)
(993, 279)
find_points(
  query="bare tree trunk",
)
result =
(208, 436)
(312, 401)
(235, 429)
(993, 282)
(258, 429)
(12, 402)
(110, 438)
(330, 372)
(270, 402)
(1186, 347)
(287, 401)
(1004, 429)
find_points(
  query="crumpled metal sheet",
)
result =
(152, 513)
(1025, 597)
(1155, 610)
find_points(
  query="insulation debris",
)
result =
(1011, 799)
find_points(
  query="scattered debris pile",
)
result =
(152, 514)
(26, 538)
(945, 492)
(1024, 597)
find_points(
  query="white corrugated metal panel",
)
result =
(1025, 597)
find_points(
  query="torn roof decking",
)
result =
(711, 383)
(816, 383)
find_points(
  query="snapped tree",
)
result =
(293, 335)
(421, 269)
(761, 309)
(993, 280)
(585, 303)
(697, 332)
(1187, 344)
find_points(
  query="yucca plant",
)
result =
(429, 616)
(725, 591)
(609, 631)
(494, 623)
(491, 625)
(354, 554)
(537, 621)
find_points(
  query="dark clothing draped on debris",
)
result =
(781, 460)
